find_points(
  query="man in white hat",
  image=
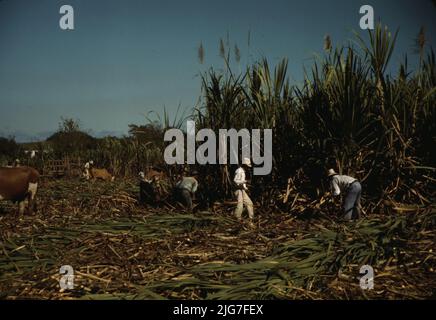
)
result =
(241, 192)
(88, 166)
(351, 188)
(147, 190)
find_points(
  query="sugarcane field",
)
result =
(217, 165)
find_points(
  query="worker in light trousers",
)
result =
(241, 191)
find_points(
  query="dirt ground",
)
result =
(121, 250)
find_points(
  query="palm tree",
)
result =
(327, 43)
(201, 53)
(420, 43)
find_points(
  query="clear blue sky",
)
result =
(125, 58)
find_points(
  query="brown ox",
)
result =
(102, 174)
(18, 185)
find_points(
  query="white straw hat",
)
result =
(247, 162)
(331, 172)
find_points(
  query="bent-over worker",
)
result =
(185, 190)
(351, 188)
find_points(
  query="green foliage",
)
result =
(9, 150)
(348, 114)
(69, 140)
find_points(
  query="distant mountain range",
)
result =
(107, 133)
(22, 137)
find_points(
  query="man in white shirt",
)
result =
(352, 190)
(88, 166)
(241, 192)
